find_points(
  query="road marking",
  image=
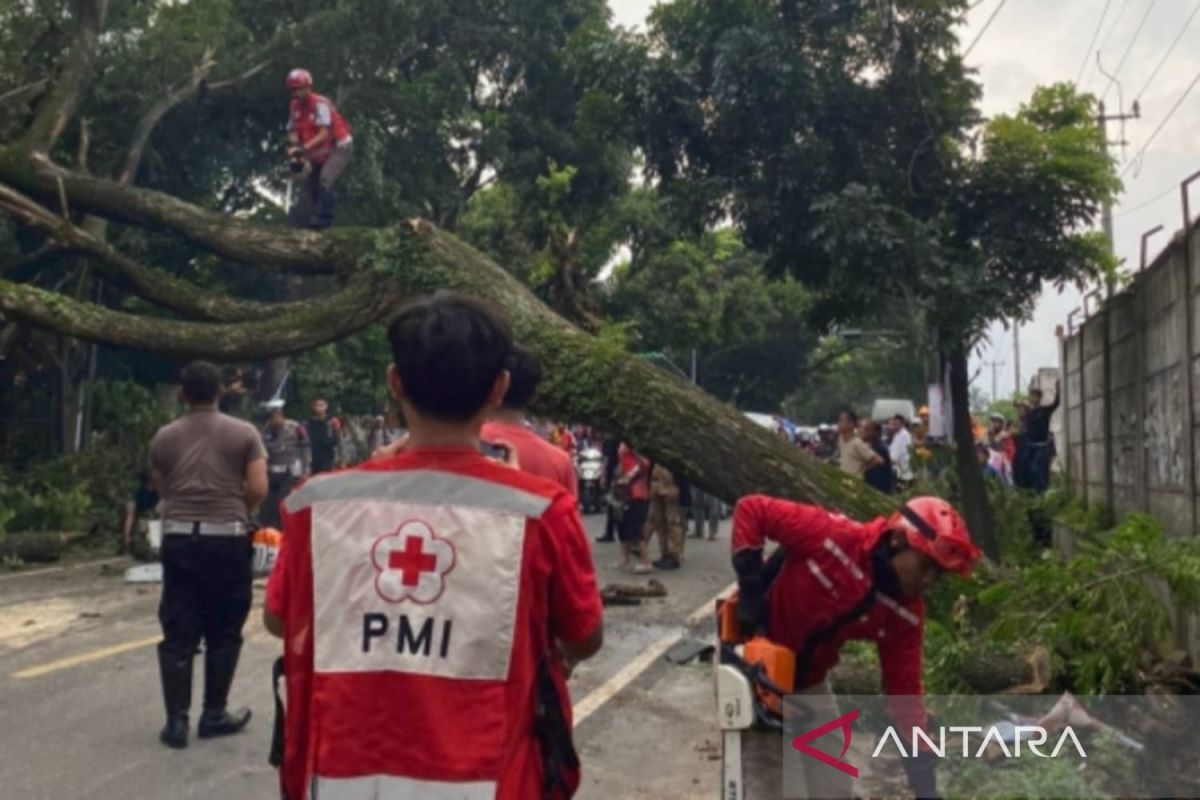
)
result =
(630, 672)
(63, 568)
(86, 658)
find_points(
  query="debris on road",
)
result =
(631, 594)
(144, 573)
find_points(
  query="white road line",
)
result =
(63, 568)
(629, 673)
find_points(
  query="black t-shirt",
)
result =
(881, 478)
(323, 438)
(612, 452)
(144, 500)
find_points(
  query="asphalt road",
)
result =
(81, 708)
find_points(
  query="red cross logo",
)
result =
(411, 563)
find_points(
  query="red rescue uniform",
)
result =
(309, 116)
(421, 597)
(825, 595)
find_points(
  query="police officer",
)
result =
(211, 472)
(288, 458)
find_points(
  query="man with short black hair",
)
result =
(211, 473)
(438, 582)
(855, 456)
(507, 424)
(324, 438)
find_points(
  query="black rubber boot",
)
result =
(219, 667)
(176, 675)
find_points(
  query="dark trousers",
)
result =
(206, 591)
(279, 485)
(314, 207)
(206, 595)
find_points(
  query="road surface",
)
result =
(80, 701)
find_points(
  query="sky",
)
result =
(1035, 42)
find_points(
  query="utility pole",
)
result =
(1102, 120)
(995, 365)
(1016, 357)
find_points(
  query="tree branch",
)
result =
(155, 286)
(20, 90)
(174, 95)
(361, 303)
(284, 248)
(57, 107)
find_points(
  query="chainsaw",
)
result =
(752, 675)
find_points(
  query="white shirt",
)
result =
(899, 451)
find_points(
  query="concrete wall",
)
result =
(1130, 395)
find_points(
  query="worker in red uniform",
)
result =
(432, 602)
(319, 144)
(837, 580)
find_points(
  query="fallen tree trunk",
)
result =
(980, 673)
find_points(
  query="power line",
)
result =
(984, 30)
(1129, 47)
(1171, 49)
(1087, 55)
(1137, 158)
(1116, 23)
(1147, 203)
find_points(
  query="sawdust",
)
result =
(22, 624)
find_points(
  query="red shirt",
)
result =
(419, 595)
(535, 455)
(306, 118)
(827, 574)
(639, 489)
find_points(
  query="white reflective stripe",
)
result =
(844, 559)
(392, 787)
(820, 575)
(900, 611)
(430, 487)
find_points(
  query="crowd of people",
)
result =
(889, 456)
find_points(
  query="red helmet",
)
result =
(299, 79)
(932, 526)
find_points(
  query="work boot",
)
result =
(667, 562)
(219, 667)
(176, 675)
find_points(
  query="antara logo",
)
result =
(1009, 740)
(1033, 736)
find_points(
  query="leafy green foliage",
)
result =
(1098, 611)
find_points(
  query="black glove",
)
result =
(752, 591)
(922, 776)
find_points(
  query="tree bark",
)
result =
(976, 504)
(589, 380)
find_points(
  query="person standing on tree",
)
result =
(324, 438)
(319, 141)
(210, 470)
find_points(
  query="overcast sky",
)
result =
(1033, 42)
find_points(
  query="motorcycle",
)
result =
(589, 466)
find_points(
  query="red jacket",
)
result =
(826, 575)
(419, 596)
(307, 117)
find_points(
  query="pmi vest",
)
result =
(416, 610)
